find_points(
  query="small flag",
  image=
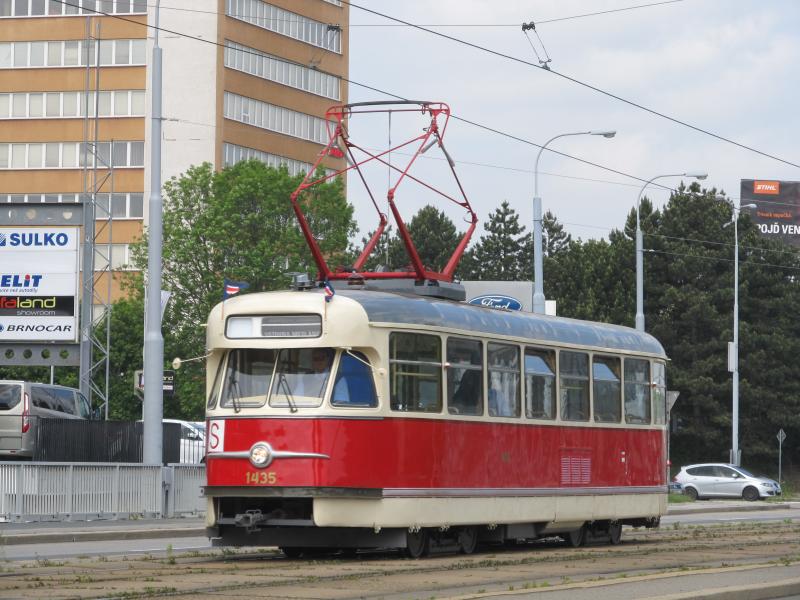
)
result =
(233, 287)
(329, 293)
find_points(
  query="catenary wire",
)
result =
(580, 83)
(542, 22)
(391, 95)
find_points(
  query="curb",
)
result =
(712, 509)
(94, 536)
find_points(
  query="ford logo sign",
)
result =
(497, 301)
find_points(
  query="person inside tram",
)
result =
(468, 394)
(311, 382)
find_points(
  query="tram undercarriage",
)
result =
(294, 523)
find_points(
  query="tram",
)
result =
(379, 410)
(382, 419)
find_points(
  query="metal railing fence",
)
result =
(85, 491)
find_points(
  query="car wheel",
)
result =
(750, 494)
(691, 492)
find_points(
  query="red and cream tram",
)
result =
(381, 419)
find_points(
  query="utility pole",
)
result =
(153, 407)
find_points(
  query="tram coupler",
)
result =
(250, 520)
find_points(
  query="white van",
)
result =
(23, 403)
(193, 440)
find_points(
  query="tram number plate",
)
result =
(261, 477)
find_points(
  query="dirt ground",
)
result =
(268, 574)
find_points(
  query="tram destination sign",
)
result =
(39, 284)
(777, 212)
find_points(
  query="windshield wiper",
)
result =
(288, 392)
(235, 394)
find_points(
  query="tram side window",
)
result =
(607, 389)
(247, 377)
(415, 372)
(540, 384)
(574, 372)
(354, 385)
(464, 377)
(659, 394)
(503, 380)
(637, 391)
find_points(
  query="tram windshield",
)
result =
(288, 377)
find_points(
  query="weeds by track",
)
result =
(267, 574)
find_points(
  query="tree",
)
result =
(499, 256)
(236, 223)
(434, 236)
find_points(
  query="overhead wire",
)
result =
(578, 82)
(389, 94)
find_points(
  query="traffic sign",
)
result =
(781, 436)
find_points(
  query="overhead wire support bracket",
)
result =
(339, 143)
(526, 27)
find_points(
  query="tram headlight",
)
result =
(260, 455)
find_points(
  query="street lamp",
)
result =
(639, 251)
(733, 350)
(538, 248)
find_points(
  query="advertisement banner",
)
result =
(777, 212)
(39, 284)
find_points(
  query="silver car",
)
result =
(719, 480)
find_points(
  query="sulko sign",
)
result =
(777, 211)
(39, 284)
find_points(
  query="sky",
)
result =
(731, 67)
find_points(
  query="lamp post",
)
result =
(733, 351)
(538, 249)
(639, 250)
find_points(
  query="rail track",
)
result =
(267, 573)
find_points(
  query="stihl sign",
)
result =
(767, 187)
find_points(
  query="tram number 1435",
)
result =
(261, 477)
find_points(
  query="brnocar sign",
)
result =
(39, 284)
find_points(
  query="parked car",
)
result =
(23, 403)
(675, 487)
(193, 440)
(720, 480)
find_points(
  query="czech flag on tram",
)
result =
(233, 287)
(329, 293)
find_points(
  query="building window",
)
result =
(71, 53)
(117, 103)
(118, 254)
(128, 205)
(41, 8)
(232, 154)
(275, 118)
(67, 155)
(257, 63)
(278, 20)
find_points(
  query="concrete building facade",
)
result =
(241, 79)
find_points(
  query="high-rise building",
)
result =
(241, 79)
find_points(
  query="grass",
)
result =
(678, 499)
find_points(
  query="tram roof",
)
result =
(383, 307)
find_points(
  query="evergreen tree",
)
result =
(500, 254)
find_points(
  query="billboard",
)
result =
(777, 212)
(39, 284)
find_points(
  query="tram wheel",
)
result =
(467, 540)
(292, 552)
(418, 544)
(576, 538)
(614, 533)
